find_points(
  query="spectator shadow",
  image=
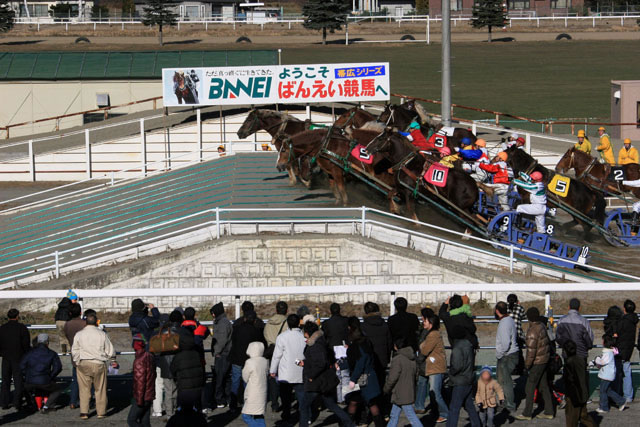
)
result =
(223, 418)
(314, 196)
(190, 41)
(21, 43)
(15, 416)
(275, 178)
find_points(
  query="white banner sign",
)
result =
(276, 84)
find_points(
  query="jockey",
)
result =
(628, 154)
(481, 144)
(470, 156)
(538, 198)
(521, 143)
(583, 143)
(509, 142)
(416, 137)
(498, 167)
(448, 159)
(478, 174)
(605, 149)
(437, 140)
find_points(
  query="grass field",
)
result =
(536, 80)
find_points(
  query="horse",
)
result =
(355, 117)
(184, 89)
(596, 174)
(580, 197)
(279, 126)
(409, 165)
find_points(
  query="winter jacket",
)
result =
(316, 362)
(289, 348)
(433, 350)
(14, 340)
(575, 382)
(499, 171)
(606, 150)
(242, 335)
(361, 362)
(72, 327)
(405, 325)
(254, 374)
(144, 378)
(459, 319)
(506, 337)
(375, 328)
(401, 373)
(421, 358)
(585, 146)
(486, 393)
(141, 323)
(221, 336)
(275, 326)
(200, 332)
(164, 360)
(40, 365)
(418, 140)
(576, 328)
(92, 344)
(62, 313)
(627, 335)
(462, 363)
(606, 363)
(336, 331)
(537, 342)
(186, 366)
(627, 157)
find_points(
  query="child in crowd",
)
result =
(254, 374)
(607, 374)
(402, 372)
(488, 396)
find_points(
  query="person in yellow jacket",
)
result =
(605, 149)
(628, 154)
(583, 143)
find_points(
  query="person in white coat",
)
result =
(537, 205)
(285, 368)
(254, 374)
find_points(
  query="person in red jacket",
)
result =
(417, 138)
(498, 167)
(144, 378)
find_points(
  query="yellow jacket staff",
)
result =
(605, 149)
(628, 154)
(583, 143)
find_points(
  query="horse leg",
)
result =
(292, 176)
(393, 206)
(342, 190)
(334, 189)
(411, 205)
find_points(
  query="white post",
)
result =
(428, 30)
(392, 307)
(143, 148)
(594, 22)
(199, 130)
(527, 143)
(511, 259)
(87, 144)
(566, 22)
(237, 306)
(547, 303)
(112, 177)
(32, 162)
(363, 221)
(308, 108)
(217, 222)
(57, 259)
(474, 128)
(279, 56)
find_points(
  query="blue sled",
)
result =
(618, 221)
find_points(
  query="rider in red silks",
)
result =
(417, 138)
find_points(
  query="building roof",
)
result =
(120, 65)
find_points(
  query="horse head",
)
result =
(566, 162)
(250, 125)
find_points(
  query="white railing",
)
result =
(213, 226)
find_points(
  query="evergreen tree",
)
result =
(325, 15)
(488, 13)
(158, 13)
(422, 7)
(6, 16)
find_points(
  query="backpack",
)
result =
(268, 352)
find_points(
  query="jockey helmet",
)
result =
(520, 141)
(466, 141)
(414, 125)
(503, 156)
(515, 136)
(481, 143)
(536, 176)
(445, 151)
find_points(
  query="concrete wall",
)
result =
(626, 109)
(289, 261)
(37, 100)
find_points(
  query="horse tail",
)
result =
(600, 205)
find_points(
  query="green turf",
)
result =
(533, 79)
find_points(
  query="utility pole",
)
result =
(446, 63)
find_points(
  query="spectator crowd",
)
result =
(367, 371)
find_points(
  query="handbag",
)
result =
(268, 352)
(164, 342)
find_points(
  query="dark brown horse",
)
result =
(409, 165)
(355, 117)
(279, 126)
(596, 174)
(587, 203)
(184, 88)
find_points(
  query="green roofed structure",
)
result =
(39, 85)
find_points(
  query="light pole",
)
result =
(446, 63)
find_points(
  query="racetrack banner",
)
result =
(276, 84)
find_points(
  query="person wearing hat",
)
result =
(40, 367)
(511, 140)
(537, 200)
(266, 147)
(140, 321)
(605, 149)
(628, 154)
(489, 394)
(221, 151)
(583, 143)
(416, 137)
(500, 185)
(62, 316)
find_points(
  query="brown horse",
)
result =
(460, 189)
(355, 117)
(279, 126)
(596, 174)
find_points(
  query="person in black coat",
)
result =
(244, 333)
(188, 372)
(14, 343)
(404, 326)
(62, 316)
(40, 367)
(376, 330)
(140, 322)
(612, 325)
(319, 379)
(577, 388)
(461, 319)
(335, 328)
(626, 343)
